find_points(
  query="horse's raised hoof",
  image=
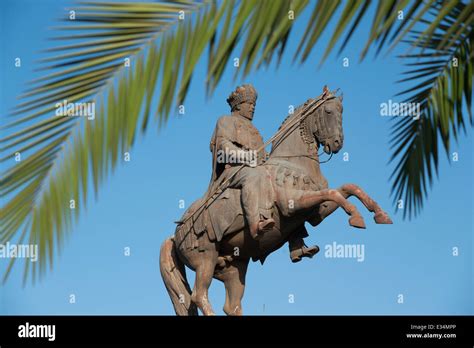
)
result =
(382, 218)
(357, 221)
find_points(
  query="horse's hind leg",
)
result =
(233, 276)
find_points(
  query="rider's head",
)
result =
(242, 101)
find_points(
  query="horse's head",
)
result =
(327, 124)
(320, 125)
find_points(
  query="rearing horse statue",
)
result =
(213, 238)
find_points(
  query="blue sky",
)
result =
(138, 204)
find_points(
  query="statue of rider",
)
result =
(235, 142)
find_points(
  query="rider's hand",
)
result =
(251, 163)
(266, 157)
(251, 159)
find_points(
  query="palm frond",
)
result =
(443, 88)
(46, 190)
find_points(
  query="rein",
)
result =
(312, 158)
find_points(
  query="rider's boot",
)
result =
(298, 250)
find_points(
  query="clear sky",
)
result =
(138, 204)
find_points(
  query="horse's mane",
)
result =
(295, 112)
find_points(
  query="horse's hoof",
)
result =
(357, 221)
(382, 218)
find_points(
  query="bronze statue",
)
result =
(257, 202)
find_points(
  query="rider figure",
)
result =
(235, 142)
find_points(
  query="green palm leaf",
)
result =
(443, 87)
(48, 188)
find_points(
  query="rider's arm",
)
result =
(225, 134)
(227, 146)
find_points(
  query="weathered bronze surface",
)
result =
(256, 202)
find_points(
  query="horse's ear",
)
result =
(325, 89)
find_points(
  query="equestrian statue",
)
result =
(256, 202)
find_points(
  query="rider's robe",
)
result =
(234, 133)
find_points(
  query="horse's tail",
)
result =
(174, 276)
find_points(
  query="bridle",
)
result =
(310, 131)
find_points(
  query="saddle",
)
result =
(226, 214)
(223, 216)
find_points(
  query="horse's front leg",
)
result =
(347, 190)
(303, 200)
